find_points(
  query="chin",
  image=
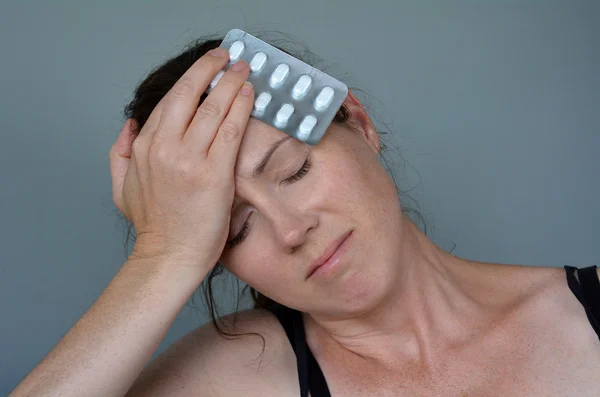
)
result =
(358, 292)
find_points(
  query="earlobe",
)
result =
(360, 117)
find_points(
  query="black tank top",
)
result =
(585, 286)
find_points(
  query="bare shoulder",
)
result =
(540, 300)
(555, 308)
(258, 361)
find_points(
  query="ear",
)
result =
(360, 118)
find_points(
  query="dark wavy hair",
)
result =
(160, 80)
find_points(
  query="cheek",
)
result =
(256, 263)
(353, 177)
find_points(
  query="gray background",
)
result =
(495, 104)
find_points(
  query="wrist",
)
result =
(166, 269)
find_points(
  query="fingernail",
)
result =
(246, 88)
(218, 52)
(238, 66)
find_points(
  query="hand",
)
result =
(175, 180)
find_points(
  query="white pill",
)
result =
(324, 99)
(306, 127)
(283, 115)
(236, 50)
(261, 103)
(279, 75)
(301, 87)
(258, 62)
(215, 80)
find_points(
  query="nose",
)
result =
(291, 226)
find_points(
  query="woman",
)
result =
(366, 304)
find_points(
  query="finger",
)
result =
(212, 112)
(120, 154)
(226, 144)
(179, 104)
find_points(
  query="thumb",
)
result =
(120, 155)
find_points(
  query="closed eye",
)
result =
(246, 228)
(301, 172)
(240, 237)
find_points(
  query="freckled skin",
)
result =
(398, 317)
(293, 224)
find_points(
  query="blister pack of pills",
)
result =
(289, 94)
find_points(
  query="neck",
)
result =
(437, 302)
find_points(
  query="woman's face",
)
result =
(305, 199)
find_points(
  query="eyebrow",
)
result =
(260, 167)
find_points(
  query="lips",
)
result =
(329, 251)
